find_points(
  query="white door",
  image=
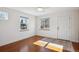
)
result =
(63, 27)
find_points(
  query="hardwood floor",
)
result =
(76, 46)
(26, 45)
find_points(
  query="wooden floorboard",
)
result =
(76, 46)
(26, 45)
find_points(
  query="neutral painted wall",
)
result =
(72, 33)
(9, 29)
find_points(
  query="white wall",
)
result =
(73, 30)
(9, 29)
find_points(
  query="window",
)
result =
(23, 23)
(3, 15)
(45, 23)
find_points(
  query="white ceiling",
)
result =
(47, 10)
